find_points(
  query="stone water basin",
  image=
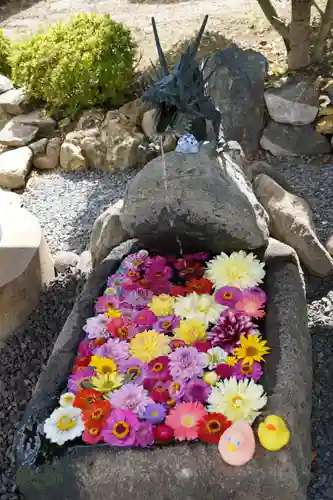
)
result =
(183, 471)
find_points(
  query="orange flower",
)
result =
(212, 426)
(86, 397)
(96, 414)
(202, 285)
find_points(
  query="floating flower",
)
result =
(178, 290)
(135, 299)
(96, 414)
(154, 413)
(132, 275)
(176, 343)
(202, 345)
(176, 389)
(92, 435)
(197, 256)
(162, 305)
(134, 369)
(121, 428)
(237, 400)
(188, 269)
(107, 382)
(166, 324)
(251, 304)
(82, 361)
(240, 269)
(211, 378)
(191, 331)
(252, 348)
(202, 308)
(131, 397)
(77, 380)
(159, 392)
(145, 318)
(187, 363)
(227, 333)
(163, 434)
(105, 303)
(103, 365)
(200, 286)
(115, 349)
(149, 344)
(115, 280)
(224, 371)
(231, 360)
(96, 327)
(122, 328)
(87, 347)
(67, 399)
(212, 426)
(87, 397)
(64, 424)
(158, 368)
(196, 390)
(136, 260)
(216, 356)
(144, 436)
(158, 272)
(184, 419)
(228, 296)
(242, 371)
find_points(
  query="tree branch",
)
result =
(325, 27)
(314, 3)
(276, 22)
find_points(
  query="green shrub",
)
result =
(4, 54)
(82, 63)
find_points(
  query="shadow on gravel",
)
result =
(9, 8)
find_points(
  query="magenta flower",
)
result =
(258, 292)
(115, 349)
(228, 296)
(76, 379)
(155, 413)
(145, 318)
(131, 397)
(242, 372)
(158, 272)
(166, 324)
(121, 428)
(95, 327)
(158, 368)
(196, 391)
(84, 348)
(176, 390)
(115, 280)
(144, 436)
(159, 287)
(231, 326)
(136, 260)
(106, 302)
(136, 299)
(186, 363)
(134, 369)
(176, 343)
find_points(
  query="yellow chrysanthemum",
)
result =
(240, 269)
(103, 365)
(149, 344)
(231, 361)
(162, 305)
(190, 331)
(107, 382)
(112, 313)
(252, 348)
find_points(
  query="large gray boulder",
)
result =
(237, 89)
(189, 472)
(194, 201)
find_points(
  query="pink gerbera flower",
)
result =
(184, 419)
(122, 328)
(251, 304)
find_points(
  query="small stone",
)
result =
(38, 118)
(325, 125)
(5, 84)
(91, 118)
(134, 111)
(14, 101)
(148, 124)
(50, 159)
(65, 261)
(14, 167)
(9, 199)
(17, 134)
(71, 157)
(4, 118)
(85, 262)
(38, 147)
(289, 140)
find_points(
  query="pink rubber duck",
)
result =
(237, 444)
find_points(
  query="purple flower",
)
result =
(76, 379)
(196, 391)
(131, 397)
(158, 272)
(135, 369)
(258, 291)
(242, 372)
(228, 296)
(105, 302)
(166, 324)
(231, 326)
(186, 363)
(115, 280)
(84, 348)
(176, 390)
(121, 428)
(159, 287)
(95, 327)
(145, 318)
(144, 436)
(136, 260)
(155, 413)
(136, 298)
(115, 349)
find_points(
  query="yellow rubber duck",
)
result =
(273, 433)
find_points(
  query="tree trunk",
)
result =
(325, 27)
(300, 34)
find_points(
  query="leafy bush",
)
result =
(78, 64)
(4, 54)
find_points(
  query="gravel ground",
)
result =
(67, 205)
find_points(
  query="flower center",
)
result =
(237, 401)
(123, 332)
(171, 403)
(154, 413)
(251, 351)
(121, 429)
(68, 399)
(177, 344)
(94, 431)
(166, 325)
(66, 423)
(188, 421)
(246, 369)
(213, 426)
(97, 414)
(133, 371)
(106, 369)
(202, 309)
(227, 295)
(158, 367)
(174, 387)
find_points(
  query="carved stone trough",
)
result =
(184, 471)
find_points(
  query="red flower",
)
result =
(224, 371)
(178, 290)
(202, 345)
(188, 269)
(202, 285)
(96, 414)
(87, 397)
(159, 393)
(92, 435)
(158, 368)
(212, 426)
(163, 433)
(176, 343)
(82, 360)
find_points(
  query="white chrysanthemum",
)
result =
(64, 424)
(240, 269)
(237, 400)
(199, 307)
(66, 400)
(216, 356)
